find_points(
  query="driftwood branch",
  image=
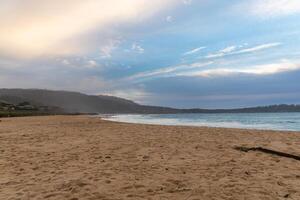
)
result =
(268, 151)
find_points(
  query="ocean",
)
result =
(261, 121)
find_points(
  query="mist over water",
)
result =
(262, 121)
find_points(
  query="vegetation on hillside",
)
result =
(25, 108)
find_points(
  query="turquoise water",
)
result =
(264, 121)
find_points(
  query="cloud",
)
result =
(223, 52)
(193, 51)
(168, 71)
(137, 48)
(77, 63)
(269, 8)
(64, 80)
(107, 49)
(228, 49)
(92, 64)
(169, 19)
(258, 48)
(50, 27)
(265, 69)
(65, 62)
(187, 2)
(232, 50)
(215, 55)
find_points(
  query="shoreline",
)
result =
(199, 126)
(83, 157)
(206, 127)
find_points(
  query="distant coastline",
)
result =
(37, 101)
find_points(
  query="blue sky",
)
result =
(181, 53)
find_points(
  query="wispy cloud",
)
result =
(193, 51)
(65, 62)
(169, 18)
(75, 63)
(168, 71)
(270, 8)
(264, 69)
(187, 2)
(258, 48)
(137, 48)
(192, 69)
(92, 64)
(234, 50)
(107, 49)
(228, 49)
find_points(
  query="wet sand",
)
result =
(85, 158)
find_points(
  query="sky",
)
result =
(179, 53)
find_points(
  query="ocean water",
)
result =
(262, 121)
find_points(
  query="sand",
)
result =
(81, 157)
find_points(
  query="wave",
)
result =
(258, 121)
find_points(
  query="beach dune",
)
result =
(86, 158)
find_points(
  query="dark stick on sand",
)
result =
(268, 151)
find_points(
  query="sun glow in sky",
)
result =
(183, 53)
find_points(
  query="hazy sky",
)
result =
(183, 53)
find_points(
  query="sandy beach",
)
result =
(86, 158)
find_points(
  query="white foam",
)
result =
(156, 120)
